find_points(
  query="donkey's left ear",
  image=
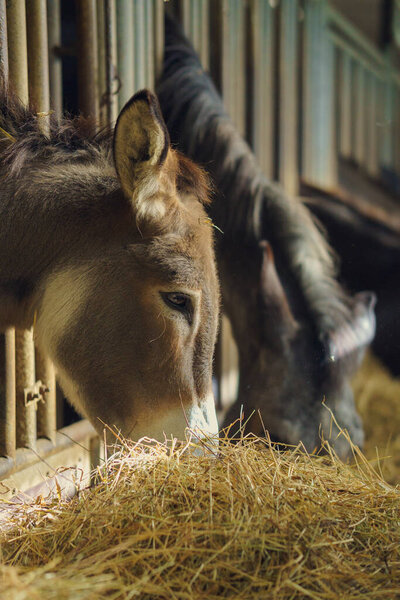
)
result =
(141, 141)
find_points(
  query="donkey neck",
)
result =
(54, 216)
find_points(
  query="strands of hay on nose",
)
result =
(252, 523)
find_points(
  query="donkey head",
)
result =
(286, 371)
(131, 322)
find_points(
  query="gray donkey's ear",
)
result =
(141, 142)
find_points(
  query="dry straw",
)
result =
(378, 402)
(248, 522)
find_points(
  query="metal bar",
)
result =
(25, 378)
(288, 92)
(101, 60)
(319, 152)
(111, 59)
(38, 57)
(3, 40)
(139, 50)
(360, 114)
(125, 50)
(17, 48)
(195, 22)
(371, 126)
(87, 57)
(55, 63)
(149, 44)
(261, 83)
(46, 416)
(39, 92)
(7, 394)
(10, 393)
(158, 37)
(25, 355)
(344, 90)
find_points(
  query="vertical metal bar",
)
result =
(7, 340)
(111, 60)
(38, 57)
(261, 83)
(158, 37)
(360, 114)
(195, 22)
(372, 120)
(25, 378)
(101, 60)
(319, 133)
(10, 393)
(55, 63)
(238, 66)
(205, 34)
(125, 50)
(7, 394)
(25, 353)
(396, 128)
(87, 57)
(139, 50)
(149, 44)
(39, 93)
(345, 99)
(17, 49)
(47, 415)
(3, 40)
(288, 94)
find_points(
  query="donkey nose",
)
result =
(202, 422)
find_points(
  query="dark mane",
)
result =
(66, 139)
(254, 208)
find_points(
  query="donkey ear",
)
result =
(141, 141)
(353, 337)
(282, 320)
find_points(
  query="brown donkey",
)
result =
(105, 246)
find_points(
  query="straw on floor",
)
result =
(249, 522)
(377, 396)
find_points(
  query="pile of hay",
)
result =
(377, 396)
(251, 522)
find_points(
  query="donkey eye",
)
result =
(177, 300)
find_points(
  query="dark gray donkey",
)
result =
(106, 247)
(300, 337)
